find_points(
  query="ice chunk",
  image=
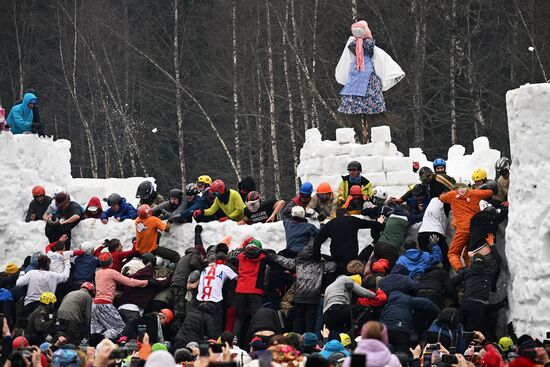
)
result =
(481, 144)
(456, 151)
(401, 178)
(345, 135)
(370, 164)
(377, 178)
(397, 163)
(380, 134)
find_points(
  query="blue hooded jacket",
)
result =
(126, 211)
(417, 261)
(20, 117)
(197, 203)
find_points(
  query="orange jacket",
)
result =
(464, 207)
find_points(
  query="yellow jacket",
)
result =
(343, 189)
(234, 208)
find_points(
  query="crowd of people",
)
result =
(417, 284)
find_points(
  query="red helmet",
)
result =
(168, 314)
(38, 191)
(144, 211)
(217, 187)
(89, 286)
(356, 190)
(380, 266)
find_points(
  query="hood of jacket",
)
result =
(377, 353)
(94, 201)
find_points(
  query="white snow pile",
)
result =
(528, 231)
(325, 160)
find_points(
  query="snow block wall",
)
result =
(528, 231)
(325, 160)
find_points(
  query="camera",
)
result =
(118, 353)
(432, 346)
(142, 329)
(449, 359)
(468, 336)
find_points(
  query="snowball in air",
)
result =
(154, 130)
(531, 49)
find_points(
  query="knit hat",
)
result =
(345, 339)
(20, 342)
(491, 358)
(158, 346)
(105, 259)
(309, 339)
(194, 276)
(11, 268)
(253, 248)
(380, 266)
(357, 279)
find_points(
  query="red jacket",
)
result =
(251, 274)
(118, 257)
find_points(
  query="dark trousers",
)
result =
(339, 318)
(305, 315)
(424, 239)
(400, 340)
(167, 254)
(386, 251)
(218, 317)
(245, 306)
(55, 230)
(473, 315)
(75, 331)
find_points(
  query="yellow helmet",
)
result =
(505, 343)
(48, 298)
(205, 179)
(479, 175)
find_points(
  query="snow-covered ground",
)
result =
(528, 231)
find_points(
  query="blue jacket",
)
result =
(197, 203)
(84, 268)
(417, 261)
(415, 215)
(397, 281)
(397, 314)
(20, 117)
(126, 211)
(298, 234)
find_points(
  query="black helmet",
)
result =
(113, 199)
(355, 165)
(419, 190)
(176, 193)
(145, 190)
(502, 165)
(191, 189)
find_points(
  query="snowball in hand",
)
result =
(154, 130)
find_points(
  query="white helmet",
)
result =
(379, 195)
(298, 212)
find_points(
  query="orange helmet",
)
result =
(168, 314)
(144, 211)
(38, 191)
(324, 188)
(355, 190)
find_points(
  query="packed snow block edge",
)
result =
(401, 178)
(380, 134)
(391, 164)
(370, 164)
(377, 178)
(528, 230)
(481, 144)
(313, 137)
(333, 165)
(456, 151)
(345, 135)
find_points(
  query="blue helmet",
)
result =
(65, 358)
(306, 188)
(440, 163)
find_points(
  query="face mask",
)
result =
(253, 206)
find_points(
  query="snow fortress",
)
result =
(528, 231)
(28, 160)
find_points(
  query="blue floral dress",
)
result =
(363, 93)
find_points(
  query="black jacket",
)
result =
(478, 279)
(40, 324)
(342, 231)
(198, 326)
(439, 281)
(38, 208)
(192, 260)
(483, 223)
(264, 319)
(397, 314)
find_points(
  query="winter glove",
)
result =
(223, 219)
(198, 229)
(197, 212)
(152, 283)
